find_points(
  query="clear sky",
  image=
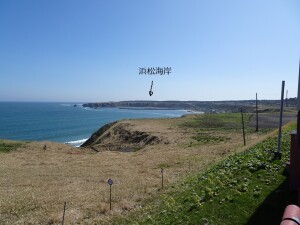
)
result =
(71, 50)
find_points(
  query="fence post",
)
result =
(162, 178)
(63, 219)
(256, 115)
(243, 127)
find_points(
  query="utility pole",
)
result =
(280, 120)
(256, 115)
(298, 108)
(286, 98)
(243, 127)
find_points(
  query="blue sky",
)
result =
(71, 50)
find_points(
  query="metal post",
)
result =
(63, 219)
(110, 183)
(243, 127)
(298, 108)
(298, 126)
(280, 118)
(162, 178)
(286, 98)
(109, 197)
(256, 115)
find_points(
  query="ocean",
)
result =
(62, 122)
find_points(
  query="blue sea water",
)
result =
(62, 122)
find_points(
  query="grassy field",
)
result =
(7, 146)
(245, 188)
(36, 180)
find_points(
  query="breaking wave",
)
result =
(76, 143)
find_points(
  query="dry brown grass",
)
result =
(35, 183)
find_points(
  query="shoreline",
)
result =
(64, 123)
(150, 108)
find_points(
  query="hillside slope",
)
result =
(120, 136)
(38, 177)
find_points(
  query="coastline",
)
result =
(64, 123)
(150, 108)
(126, 151)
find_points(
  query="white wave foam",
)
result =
(76, 143)
(194, 112)
(71, 104)
(165, 114)
(91, 109)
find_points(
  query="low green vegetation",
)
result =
(206, 138)
(207, 127)
(7, 146)
(245, 188)
(222, 121)
(228, 122)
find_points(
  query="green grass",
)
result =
(222, 121)
(6, 146)
(205, 125)
(225, 122)
(245, 188)
(205, 138)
